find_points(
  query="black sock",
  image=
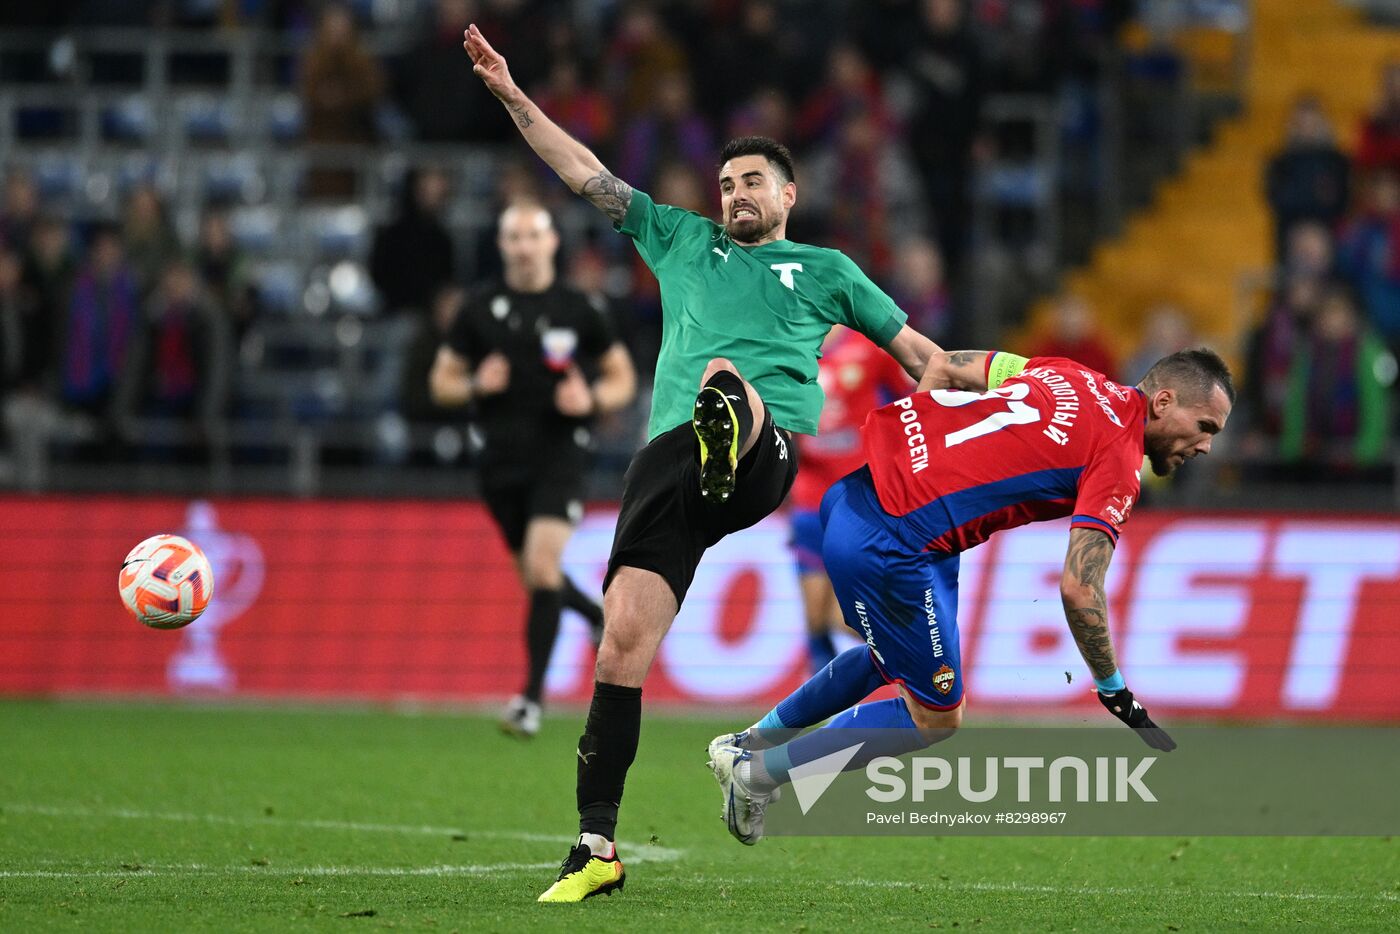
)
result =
(540, 631)
(732, 386)
(581, 603)
(605, 753)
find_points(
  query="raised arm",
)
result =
(572, 161)
(1086, 610)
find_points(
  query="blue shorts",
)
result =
(806, 541)
(902, 601)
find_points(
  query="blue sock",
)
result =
(892, 733)
(847, 680)
(821, 651)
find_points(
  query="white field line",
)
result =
(641, 854)
(268, 821)
(1018, 888)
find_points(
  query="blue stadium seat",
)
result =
(256, 229)
(279, 287)
(237, 177)
(58, 175)
(284, 118)
(337, 233)
(205, 118)
(130, 120)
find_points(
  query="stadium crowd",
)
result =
(120, 318)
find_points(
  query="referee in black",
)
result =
(538, 361)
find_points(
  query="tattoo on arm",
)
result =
(608, 194)
(963, 357)
(522, 115)
(1087, 564)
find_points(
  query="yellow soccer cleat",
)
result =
(584, 875)
(717, 429)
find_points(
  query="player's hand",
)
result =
(488, 64)
(1122, 706)
(572, 395)
(492, 376)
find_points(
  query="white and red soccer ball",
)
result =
(166, 582)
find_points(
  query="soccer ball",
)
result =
(166, 582)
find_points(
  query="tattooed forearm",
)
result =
(609, 194)
(963, 357)
(1090, 628)
(522, 115)
(1086, 606)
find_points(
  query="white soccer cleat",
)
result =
(738, 740)
(741, 806)
(521, 718)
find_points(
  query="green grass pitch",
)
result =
(175, 818)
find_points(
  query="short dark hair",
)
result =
(775, 152)
(1193, 372)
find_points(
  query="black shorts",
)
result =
(516, 495)
(664, 524)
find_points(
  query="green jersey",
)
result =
(767, 308)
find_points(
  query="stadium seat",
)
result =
(337, 232)
(58, 175)
(279, 286)
(206, 119)
(283, 119)
(236, 177)
(255, 229)
(130, 120)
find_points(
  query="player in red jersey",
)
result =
(991, 441)
(856, 377)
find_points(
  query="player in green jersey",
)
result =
(737, 298)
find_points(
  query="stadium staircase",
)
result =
(1208, 230)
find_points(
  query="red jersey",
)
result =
(1056, 439)
(856, 376)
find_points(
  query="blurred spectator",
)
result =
(1337, 411)
(413, 256)
(755, 53)
(48, 272)
(884, 29)
(148, 236)
(19, 211)
(1380, 131)
(1074, 335)
(1271, 350)
(669, 129)
(764, 113)
(1308, 251)
(1369, 254)
(177, 364)
(515, 180)
(1308, 180)
(341, 86)
(436, 87)
(851, 89)
(946, 69)
(102, 315)
(579, 108)
(642, 52)
(918, 288)
(866, 189)
(25, 352)
(225, 271)
(1166, 331)
(418, 404)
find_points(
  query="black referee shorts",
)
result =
(665, 525)
(551, 489)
